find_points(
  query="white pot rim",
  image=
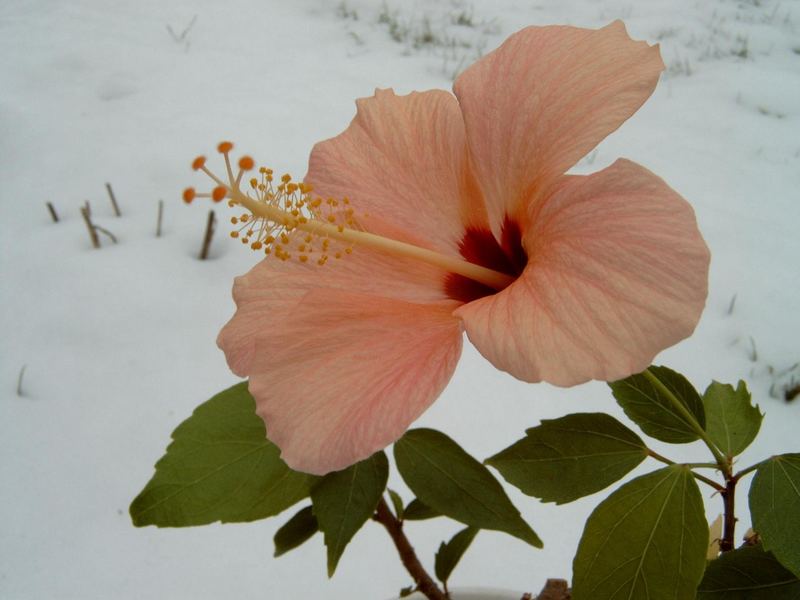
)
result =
(474, 593)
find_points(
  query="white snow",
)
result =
(118, 343)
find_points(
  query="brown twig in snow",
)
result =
(19, 380)
(160, 216)
(105, 231)
(53, 213)
(113, 200)
(86, 213)
(209, 235)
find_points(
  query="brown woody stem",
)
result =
(425, 584)
(728, 498)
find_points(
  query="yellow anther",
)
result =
(273, 211)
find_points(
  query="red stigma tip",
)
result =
(224, 147)
(198, 163)
(246, 163)
(219, 193)
(188, 195)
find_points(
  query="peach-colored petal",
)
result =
(617, 272)
(544, 99)
(348, 374)
(403, 158)
(269, 293)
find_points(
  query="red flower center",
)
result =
(479, 246)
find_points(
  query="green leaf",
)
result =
(775, 508)
(648, 407)
(419, 511)
(219, 467)
(648, 539)
(344, 500)
(296, 531)
(732, 422)
(397, 502)
(571, 457)
(446, 478)
(748, 573)
(450, 553)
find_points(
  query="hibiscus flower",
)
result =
(554, 277)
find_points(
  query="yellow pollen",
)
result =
(278, 217)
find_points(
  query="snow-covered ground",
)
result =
(118, 343)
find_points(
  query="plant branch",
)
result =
(689, 418)
(697, 476)
(729, 499)
(425, 583)
(744, 472)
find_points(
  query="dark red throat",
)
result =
(479, 246)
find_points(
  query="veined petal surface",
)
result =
(348, 374)
(617, 272)
(543, 100)
(271, 291)
(403, 158)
